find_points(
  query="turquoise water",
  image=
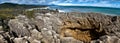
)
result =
(104, 10)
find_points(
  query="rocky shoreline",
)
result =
(60, 27)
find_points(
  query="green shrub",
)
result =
(6, 16)
(29, 14)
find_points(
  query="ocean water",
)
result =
(104, 10)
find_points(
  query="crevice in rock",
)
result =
(14, 34)
(84, 32)
(37, 28)
(28, 41)
(4, 24)
(6, 37)
(114, 18)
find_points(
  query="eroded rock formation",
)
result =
(58, 27)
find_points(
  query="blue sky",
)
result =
(101, 3)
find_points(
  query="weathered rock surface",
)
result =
(19, 27)
(58, 27)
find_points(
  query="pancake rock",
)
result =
(61, 27)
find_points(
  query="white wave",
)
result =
(61, 10)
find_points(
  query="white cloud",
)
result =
(54, 2)
(105, 3)
(68, 1)
(65, 4)
(93, 4)
(87, 0)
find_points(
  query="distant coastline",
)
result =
(104, 10)
(95, 9)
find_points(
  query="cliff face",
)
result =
(63, 28)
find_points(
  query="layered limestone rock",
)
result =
(19, 27)
(48, 25)
(83, 29)
(58, 27)
(86, 27)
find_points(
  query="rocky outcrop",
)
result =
(58, 27)
(82, 28)
(19, 27)
(48, 25)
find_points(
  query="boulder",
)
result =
(109, 39)
(2, 40)
(20, 40)
(69, 40)
(36, 34)
(19, 27)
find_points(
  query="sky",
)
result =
(100, 3)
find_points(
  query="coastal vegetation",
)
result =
(29, 14)
(11, 10)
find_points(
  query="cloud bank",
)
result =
(101, 3)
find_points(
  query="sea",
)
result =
(103, 10)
